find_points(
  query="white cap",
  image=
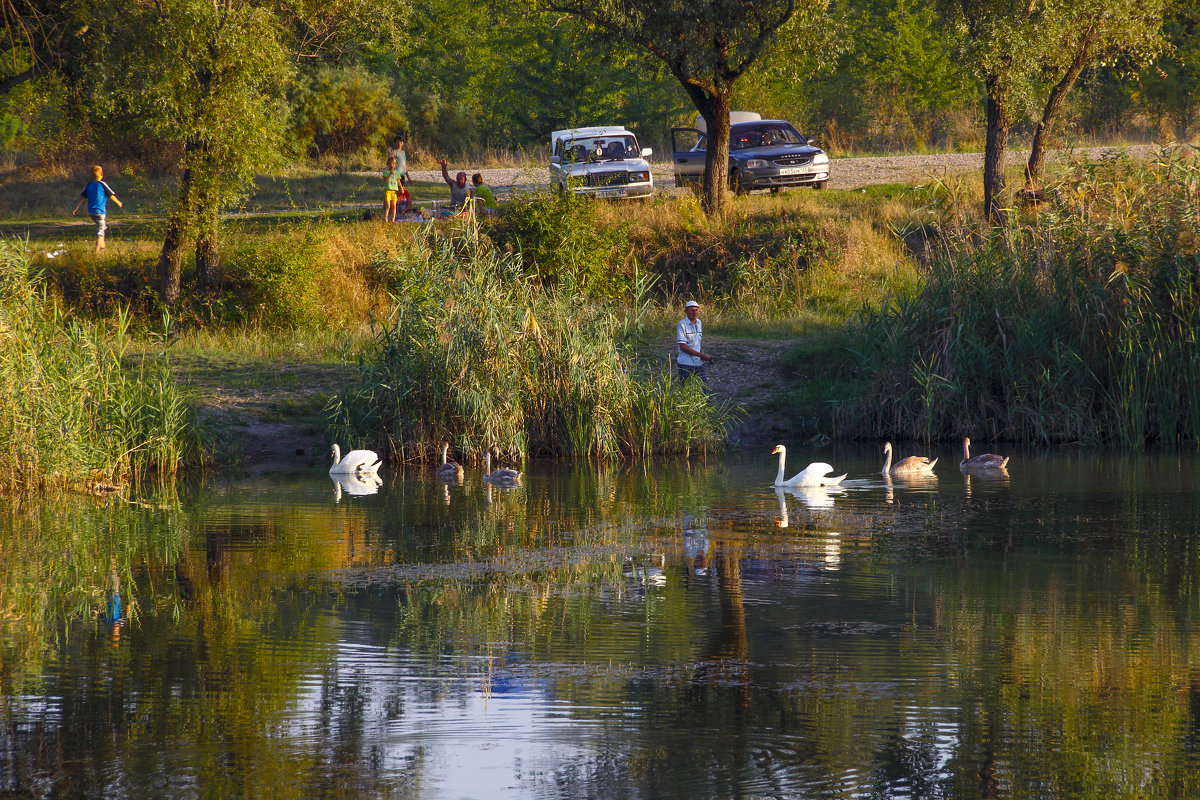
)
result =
(691, 304)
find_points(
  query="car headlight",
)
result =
(758, 163)
(820, 158)
(639, 177)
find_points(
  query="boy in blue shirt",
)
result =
(97, 193)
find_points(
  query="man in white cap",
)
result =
(688, 335)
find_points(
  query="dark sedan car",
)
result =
(763, 154)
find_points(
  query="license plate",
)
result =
(610, 193)
(794, 170)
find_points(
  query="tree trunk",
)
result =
(1037, 157)
(714, 108)
(995, 149)
(208, 256)
(170, 260)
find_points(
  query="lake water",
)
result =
(657, 631)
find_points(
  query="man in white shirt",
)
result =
(688, 336)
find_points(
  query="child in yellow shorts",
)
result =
(393, 187)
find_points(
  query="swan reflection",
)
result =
(354, 485)
(810, 496)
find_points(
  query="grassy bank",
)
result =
(72, 411)
(1078, 322)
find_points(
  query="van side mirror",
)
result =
(647, 152)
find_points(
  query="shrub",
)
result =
(562, 243)
(279, 280)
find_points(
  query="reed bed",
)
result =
(1077, 322)
(478, 353)
(71, 411)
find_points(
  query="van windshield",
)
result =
(766, 135)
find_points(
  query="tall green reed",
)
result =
(1078, 322)
(71, 412)
(479, 354)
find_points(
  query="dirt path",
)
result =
(744, 372)
(265, 414)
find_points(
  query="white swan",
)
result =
(913, 465)
(812, 475)
(449, 470)
(356, 462)
(503, 476)
(981, 461)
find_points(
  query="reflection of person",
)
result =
(114, 611)
(458, 187)
(97, 194)
(695, 544)
(688, 336)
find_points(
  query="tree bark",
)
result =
(714, 108)
(1037, 156)
(170, 260)
(995, 149)
(208, 256)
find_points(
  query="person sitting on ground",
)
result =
(458, 188)
(484, 193)
(403, 199)
(393, 176)
(97, 194)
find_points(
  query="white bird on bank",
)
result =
(913, 465)
(503, 476)
(815, 474)
(356, 462)
(981, 461)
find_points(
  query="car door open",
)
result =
(688, 155)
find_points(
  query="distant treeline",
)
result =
(456, 78)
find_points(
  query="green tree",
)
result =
(1005, 41)
(1171, 86)
(707, 45)
(1088, 32)
(209, 77)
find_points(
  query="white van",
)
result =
(600, 162)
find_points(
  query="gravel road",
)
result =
(847, 173)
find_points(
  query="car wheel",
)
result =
(818, 186)
(735, 183)
(776, 189)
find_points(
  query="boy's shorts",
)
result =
(101, 224)
(390, 196)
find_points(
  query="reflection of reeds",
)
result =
(70, 411)
(479, 355)
(1081, 323)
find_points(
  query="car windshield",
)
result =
(766, 135)
(600, 148)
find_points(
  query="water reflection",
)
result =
(354, 485)
(613, 632)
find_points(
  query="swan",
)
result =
(812, 475)
(449, 470)
(981, 461)
(357, 462)
(503, 476)
(913, 465)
